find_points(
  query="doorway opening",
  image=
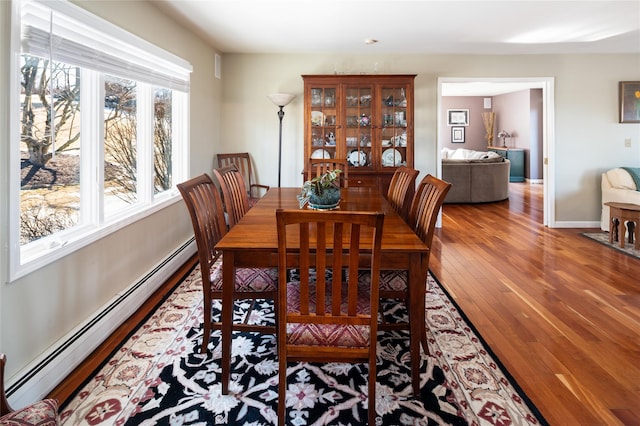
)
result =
(489, 87)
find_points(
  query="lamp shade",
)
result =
(281, 99)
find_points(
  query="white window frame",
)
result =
(169, 71)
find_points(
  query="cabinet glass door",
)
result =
(393, 137)
(358, 132)
(323, 122)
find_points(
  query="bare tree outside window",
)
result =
(162, 140)
(50, 147)
(92, 129)
(120, 143)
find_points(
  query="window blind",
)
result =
(66, 33)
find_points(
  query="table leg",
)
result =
(613, 229)
(228, 283)
(621, 230)
(630, 228)
(417, 282)
(636, 243)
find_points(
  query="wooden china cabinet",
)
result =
(365, 119)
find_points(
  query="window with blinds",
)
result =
(100, 135)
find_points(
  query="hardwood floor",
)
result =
(560, 311)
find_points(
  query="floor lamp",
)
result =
(281, 100)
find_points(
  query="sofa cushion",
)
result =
(467, 154)
(621, 179)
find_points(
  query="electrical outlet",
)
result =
(627, 143)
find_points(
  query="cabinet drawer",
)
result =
(365, 181)
(501, 152)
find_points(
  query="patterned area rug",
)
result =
(603, 238)
(159, 377)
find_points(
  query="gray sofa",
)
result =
(476, 181)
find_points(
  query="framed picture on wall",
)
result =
(458, 117)
(457, 135)
(630, 101)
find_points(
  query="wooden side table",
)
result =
(624, 216)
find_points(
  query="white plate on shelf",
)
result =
(391, 157)
(357, 158)
(317, 118)
(320, 153)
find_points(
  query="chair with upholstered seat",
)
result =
(401, 190)
(41, 413)
(423, 214)
(203, 201)
(318, 166)
(320, 319)
(235, 198)
(242, 161)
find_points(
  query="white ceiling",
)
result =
(415, 26)
(502, 27)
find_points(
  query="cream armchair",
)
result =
(617, 186)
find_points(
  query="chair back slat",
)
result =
(426, 205)
(203, 202)
(401, 190)
(242, 161)
(235, 197)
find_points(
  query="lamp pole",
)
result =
(281, 100)
(280, 116)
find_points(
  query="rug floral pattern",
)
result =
(603, 238)
(159, 377)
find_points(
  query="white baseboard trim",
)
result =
(535, 181)
(560, 224)
(42, 375)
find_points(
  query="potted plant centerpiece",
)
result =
(322, 192)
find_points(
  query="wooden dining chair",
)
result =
(43, 412)
(204, 204)
(318, 166)
(423, 214)
(234, 196)
(242, 161)
(401, 190)
(327, 320)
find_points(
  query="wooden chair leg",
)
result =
(372, 393)
(206, 332)
(282, 390)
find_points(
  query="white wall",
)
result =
(475, 133)
(233, 114)
(589, 139)
(40, 308)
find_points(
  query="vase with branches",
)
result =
(488, 118)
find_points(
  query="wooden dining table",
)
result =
(253, 242)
